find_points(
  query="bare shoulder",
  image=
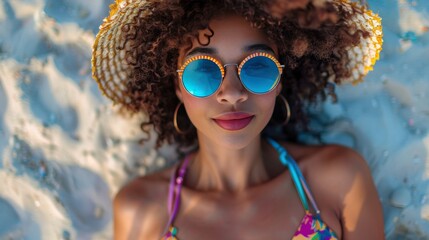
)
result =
(329, 167)
(341, 182)
(337, 161)
(334, 169)
(140, 207)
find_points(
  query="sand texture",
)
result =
(65, 151)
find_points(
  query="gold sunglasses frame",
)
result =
(239, 66)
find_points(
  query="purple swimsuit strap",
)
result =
(174, 192)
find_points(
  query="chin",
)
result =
(234, 140)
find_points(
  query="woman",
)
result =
(221, 79)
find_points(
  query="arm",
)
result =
(139, 210)
(124, 211)
(360, 209)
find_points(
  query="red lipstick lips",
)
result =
(233, 121)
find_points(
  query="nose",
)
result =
(231, 91)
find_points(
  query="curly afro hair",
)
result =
(312, 38)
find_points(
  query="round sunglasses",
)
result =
(203, 75)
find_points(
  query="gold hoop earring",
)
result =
(175, 122)
(287, 108)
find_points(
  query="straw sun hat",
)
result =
(110, 69)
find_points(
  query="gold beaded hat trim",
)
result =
(110, 69)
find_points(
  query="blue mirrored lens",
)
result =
(260, 75)
(202, 78)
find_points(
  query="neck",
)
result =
(234, 169)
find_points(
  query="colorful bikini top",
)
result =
(311, 227)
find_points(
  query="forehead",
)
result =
(230, 37)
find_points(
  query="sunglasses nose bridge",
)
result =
(230, 64)
(231, 89)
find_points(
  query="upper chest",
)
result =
(262, 215)
(272, 211)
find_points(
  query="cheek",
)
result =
(190, 103)
(268, 101)
(266, 104)
(194, 106)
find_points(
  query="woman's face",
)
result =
(232, 116)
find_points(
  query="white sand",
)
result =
(65, 152)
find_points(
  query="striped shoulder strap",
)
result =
(297, 177)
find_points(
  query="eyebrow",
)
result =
(202, 50)
(259, 46)
(249, 48)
